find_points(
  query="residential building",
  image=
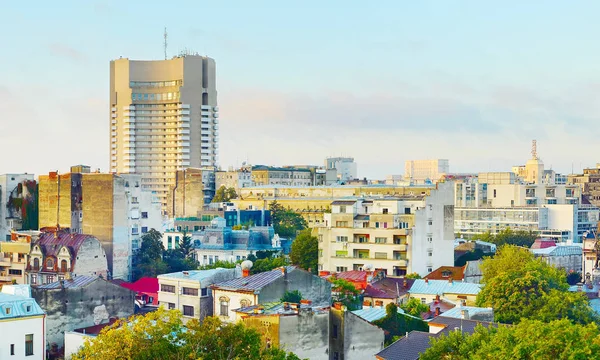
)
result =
(163, 118)
(234, 217)
(387, 290)
(398, 235)
(22, 324)
(79, 302)
(192, 189)
(113, 208)
(286, 176)
(345, 168)
(75, 339)
(359, 278)
(313, 202)
(58, 255)
(265, 287)
(424, 171)
(591, 251)
(589, 183)
(14, 257)
(18, 209)
(566, 257)
(236, 179)
(428, 290)
(456, 273)
(189, 291)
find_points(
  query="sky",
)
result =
(384, 82)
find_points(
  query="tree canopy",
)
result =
(414, 307)
(224, 194)
(397, 324)
(162, 335)
(286, 222)
(345, 292)
(518, 286)
(154, 260)
(305, 251)
(509, 237)
(530, 339)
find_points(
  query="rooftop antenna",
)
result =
(534, 149)
(165, 44)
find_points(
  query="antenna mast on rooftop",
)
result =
(534, 149)
(165, 44)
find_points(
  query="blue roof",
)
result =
(441, 287)
(472, 310)
(15, 306)
(198, 275)
(76, 282)
(562, 250)
(253, 282)
(371, 314)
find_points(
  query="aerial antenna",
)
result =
(534, 149)
(165, 44)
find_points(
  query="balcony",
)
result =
(5, 278)
(403, 247)
(5, 262)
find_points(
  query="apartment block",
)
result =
(163, 118)
(287, 176)
(14, 257)
(398, 235)
(192, 189)
(344, 168)
(422, 171)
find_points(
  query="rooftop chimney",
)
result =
(437, 311)
(437, 297)
(186, 273)
(245, 272)
(450, 281)
(405, 283)
(426, 281)
(464, 314)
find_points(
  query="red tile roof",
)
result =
(95, 329)
(543, 243)
(352, 275)
(388, 288)
(451, 272)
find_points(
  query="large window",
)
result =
(224, 306)
(204, 292)
(28, 344)
(167, 288)
(188, 310)
(63, 266)
(190, 291)
(36, 264)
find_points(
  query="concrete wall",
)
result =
(13, 332)
(73, 308)
(305, 334)
(361, 339)
(91, 259)
(73, 342)
(312, 288)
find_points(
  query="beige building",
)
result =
(192, 189)
(163, 118)
(419, 171)
(398, 235)
(14, 256)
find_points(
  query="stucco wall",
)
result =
(305, 334)
(13, 332)
(73, 308)
(361, 339)
(91, 259)
(312, 287)
(73, 342)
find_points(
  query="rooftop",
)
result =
(447, 272)
(145, 284)
(371, 314)
(76, 282)
(16, 306)
(95, 329)
(278, 308)
(562, 250)
(441, 287)
(473, 311)
(197, 275)
(388, 288)
(253, 282)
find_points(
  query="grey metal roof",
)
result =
(343, 202)
(407, 348)
(441, 287)
(76, 282)
(253, 282)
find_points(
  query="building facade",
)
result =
(14, 257)
(236, 179)
(345, 168)
(192, 189)
(398, 235)
(286, 176)
(113, 208)
(421, 171)
(18, 208)
(22, 325)
(163, 118)
(589, 183)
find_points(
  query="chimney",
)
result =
(450, 281)
(283, 270)
(405, 283)
(464, 314)
(437, 311)
(426, 281)
(337, 305)
(245, 272)
(306, 302)
(437, 298)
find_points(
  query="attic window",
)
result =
(49, 263)
(7, 310)
(446, 273)
(28, 308)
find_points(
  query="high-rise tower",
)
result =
(163, 118)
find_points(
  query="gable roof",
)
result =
(441, 287)
(455, 273)
(352, 275)
(542, 244)
(253, 282)
(76, 282)
(563, 250)
(51, 244)
(197, 275)
(386, 288)
(16, 306)
(371, 314)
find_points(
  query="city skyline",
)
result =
(373, 88)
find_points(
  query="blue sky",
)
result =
(383, 81)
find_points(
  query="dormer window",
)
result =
(7, 310)
(49, 263)
(446, 273)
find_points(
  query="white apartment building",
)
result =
(22, 324)
(420, 171)
(345, 167)
(188, 291)
(10, 219)
(399, 235)
(163, 118)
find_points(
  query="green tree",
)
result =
(219, 264)
(414, 307)
(509, 237)
(224, 194)
(305, 251)
(397, 324)
(530, 339)
(573, 277)
(149, 256)
(268, 264)
(293, 296)
(176, 262)
(186, 247)
(413, 276)
(345, 292)
(286, 222)
(162, 335)
(518, 286)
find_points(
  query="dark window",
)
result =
(204, 292)
(188, 310)
(190, 291)
(28, 344)
(224, 308)
(63, 265)
(12, 349)
(36, 264)
(336, 356)
(49, 263)
(15, 272)
(385, 211)
(335, 331)
(167, 288)
(144, 229)
(171, 306)
(144, 214)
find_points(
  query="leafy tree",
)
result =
(413, 276)
(519, 286)
(162, 335)
(530, 339)
(224, 194)
(268, 264)
(345, 292)
(149, 256)
(396, 324)
(573, 278)
(509, 237)
(176, 262)
(263, 254)
(414, 307)
(293, 296)
(186, 247)
(286, 222)
(219, 264)
(305, 251)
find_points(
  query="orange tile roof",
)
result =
(450, 272)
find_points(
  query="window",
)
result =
(169, 242)
(380, 240)
(341, 239)
(335, 331)
(430, 254)
(423, 301)
(190, 291)
(167, 288)
(224, 307)
(49, 263)
(36, 264)
(204, 292)
(385, 210)
(429, 269)
(171, 306)
(494, 192)
(429, 239)
(49, 279)
(144, 214)
(63, 266)
(15, 272)
(430, 222)
(188, 310)
(7, 310)
(244, 303)
(341, 224)
(28, 308)
(342, 209)
(336, 356)
(341, 268)
(33, 279)
(144, 229)
(134, 200)
(28, 344)
(134, 231)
